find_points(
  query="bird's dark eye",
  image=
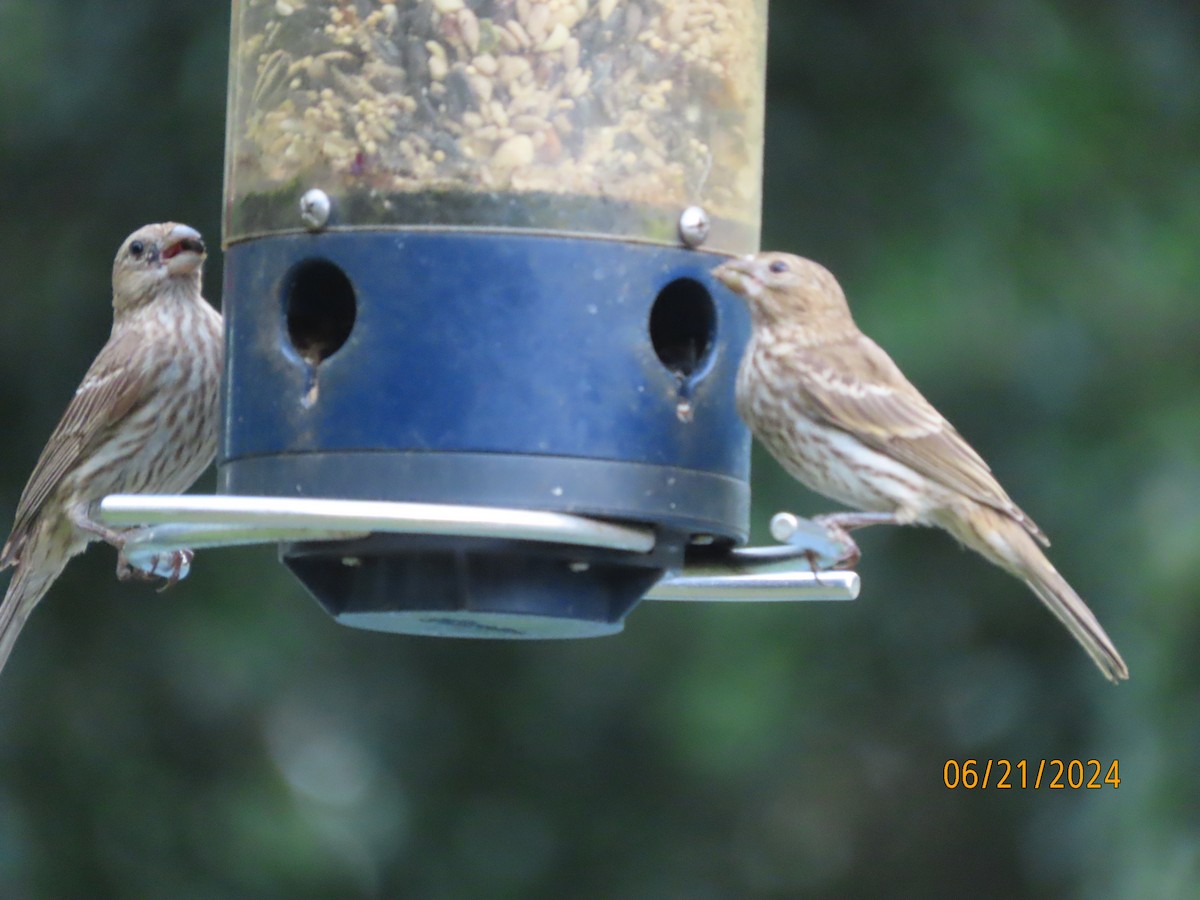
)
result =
(778, 267)
(136, 248)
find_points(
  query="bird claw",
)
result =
(850, 554)
(171, 565)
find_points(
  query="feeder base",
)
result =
(479, 589)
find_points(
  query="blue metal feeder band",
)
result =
(487, 369)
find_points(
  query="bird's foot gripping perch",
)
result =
(824, 543)
(838, 527)
(173, 565)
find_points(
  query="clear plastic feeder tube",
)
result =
(597, 117)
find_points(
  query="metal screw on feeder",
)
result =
(694, 226)
(314, 209)
(493, 395)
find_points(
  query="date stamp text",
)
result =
(1031, 774)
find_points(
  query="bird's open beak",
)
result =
(183, 250)
(739, 275)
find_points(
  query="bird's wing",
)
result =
(857, 387)
(111, 389)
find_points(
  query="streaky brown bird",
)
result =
(838, 414)
(144, 420)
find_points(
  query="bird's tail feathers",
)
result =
(1007, 543)
(33, 576)
(10, 553)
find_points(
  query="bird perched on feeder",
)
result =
(839, 415)
(144, 420)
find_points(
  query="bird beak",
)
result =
(739, 275)
(183, 250)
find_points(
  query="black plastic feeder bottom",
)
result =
(477, 589)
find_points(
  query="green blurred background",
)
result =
(1010, 193)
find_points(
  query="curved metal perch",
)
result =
(169, 522)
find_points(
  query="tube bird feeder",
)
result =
(468, 246)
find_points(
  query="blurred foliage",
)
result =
(1010, 193)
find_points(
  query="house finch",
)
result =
(144, 420)
(841, 417)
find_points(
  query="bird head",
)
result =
(153, 259)
(786, 290)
